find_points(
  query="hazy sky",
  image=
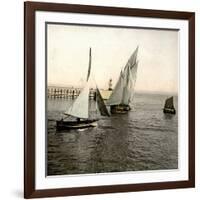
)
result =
(68, 54)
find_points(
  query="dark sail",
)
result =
(101, 105)
(169, 106)
(169, 103)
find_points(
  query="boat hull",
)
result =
(67, 125)
(169, 111)
(119, 109)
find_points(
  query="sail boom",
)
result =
(74, 116)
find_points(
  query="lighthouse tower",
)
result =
(110, 84)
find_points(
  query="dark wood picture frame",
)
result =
(29, 99)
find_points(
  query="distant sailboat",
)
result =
(122, 94)
(169, 106)
(79, 110)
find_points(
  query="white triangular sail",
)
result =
(134, 74)
(130, 75)
(80, 107)
(134, 77)
(116, 96)
(132, 60)
(123, 91)
(127, 90)
(134, 70)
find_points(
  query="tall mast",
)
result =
(90, 63)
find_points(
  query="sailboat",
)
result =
(169, 106)
(122, 94)
(79, 110)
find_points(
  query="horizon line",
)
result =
(137, 91)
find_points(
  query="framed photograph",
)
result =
(109, 100)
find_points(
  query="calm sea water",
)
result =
(143, 139)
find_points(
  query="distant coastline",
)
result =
(136, 91)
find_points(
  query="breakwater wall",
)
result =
(67, 92)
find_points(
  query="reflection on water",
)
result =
(143, 139)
